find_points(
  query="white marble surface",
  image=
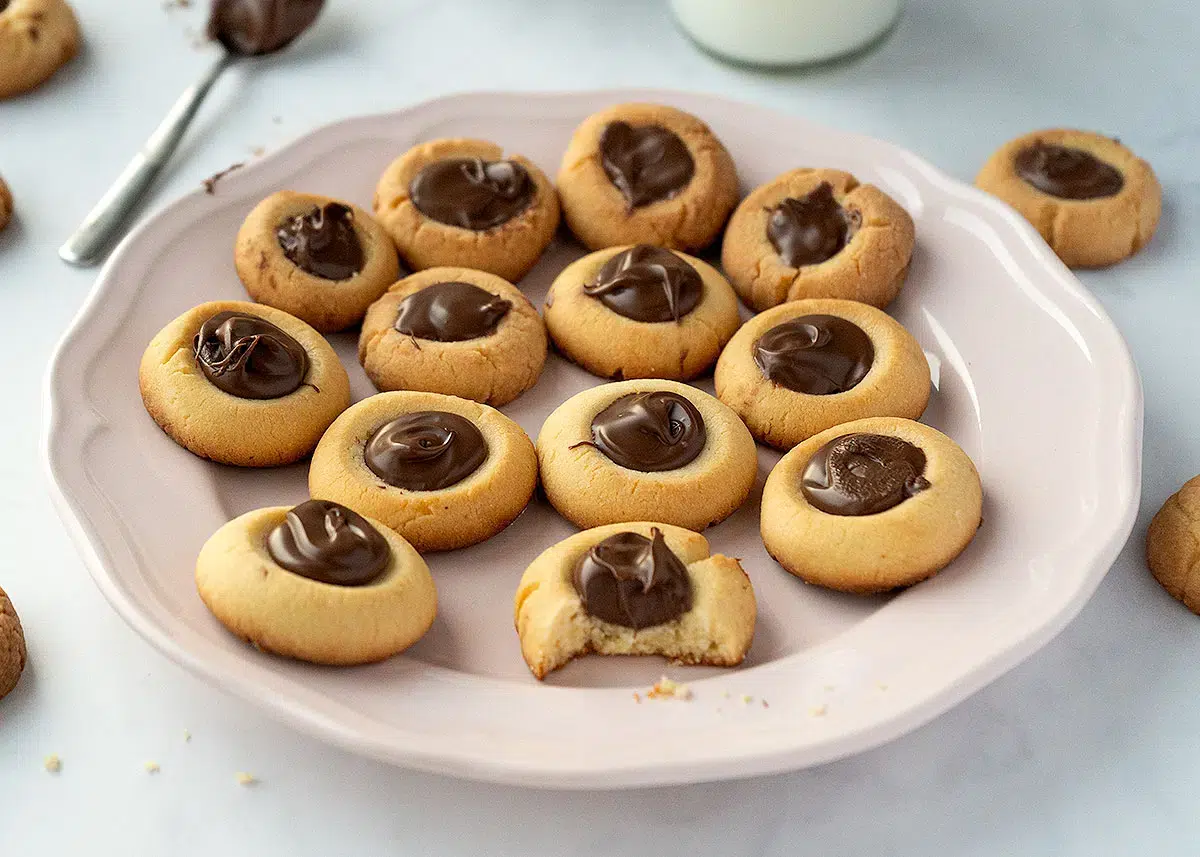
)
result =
(1088, 748)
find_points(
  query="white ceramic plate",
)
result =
(1032, 379)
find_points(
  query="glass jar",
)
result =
(784, 32)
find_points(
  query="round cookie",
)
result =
(455, 331)
(36, 38)
(646, 450)
(808, 365)
(646, 173)
(242, 383)
(871, 505)
(321, 260)
(456, 202)
(12, 646)
(641, 312)
(443, 472)
(1092, 199)
(317, 582)
(817, 234)
(1173, 545)
(634, 589)
(6, 204)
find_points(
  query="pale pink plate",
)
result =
(1032, 379)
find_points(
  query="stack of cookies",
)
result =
(864, 499)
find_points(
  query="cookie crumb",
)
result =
(152, 767)
(818, 710)
(187, 736)
(53, 764)
(258, 151)
(666, 688)
(210, 183)
(245, 779)
(747, 699)
(637, 697)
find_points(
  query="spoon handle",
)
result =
(97, 233)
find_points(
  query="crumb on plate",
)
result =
(210, 183)
(666, 688)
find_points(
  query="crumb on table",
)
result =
(818, 710)
(152, 767)
(245, 779)
(53, 764)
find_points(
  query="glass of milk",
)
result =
(784, 32)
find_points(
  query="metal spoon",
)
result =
(91, 241)
(246, 28)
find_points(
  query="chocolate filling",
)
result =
(323, 242)
(451, 312)
(1067, 172)
(811, 229)
(472, 193)
(647, 164)
(633, 581)
(863, 474)
(329, 543)
(815, 354)
(249, 357)
(647, 284)
(426, 451)
(650, 432)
